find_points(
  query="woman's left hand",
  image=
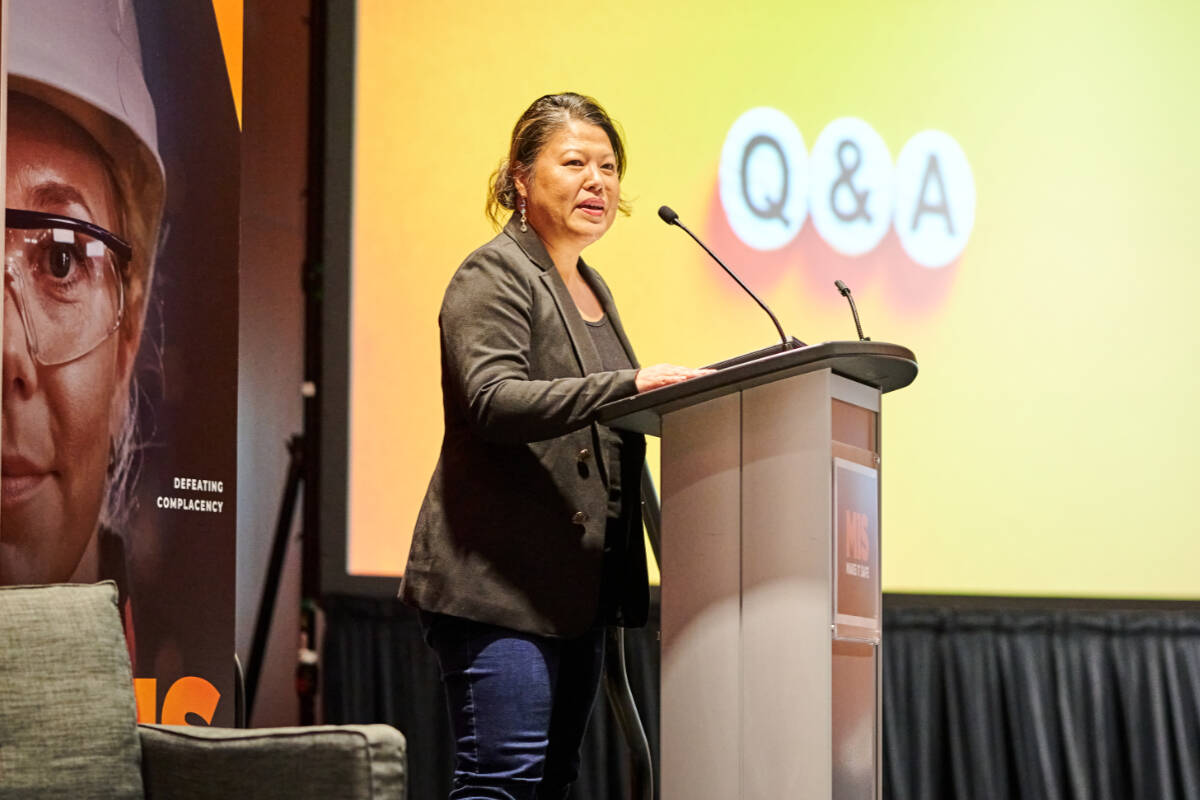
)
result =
(661, 375)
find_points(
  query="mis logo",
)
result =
(858, 542)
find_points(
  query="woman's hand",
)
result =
(661, 375)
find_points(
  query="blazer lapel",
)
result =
(577, 334)
(610, 309)
(581, 340)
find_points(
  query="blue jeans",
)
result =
(519, 706)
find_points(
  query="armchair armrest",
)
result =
(320, 762)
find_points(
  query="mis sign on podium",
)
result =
(856, 551)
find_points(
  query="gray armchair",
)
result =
(68, 729)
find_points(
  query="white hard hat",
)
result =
(82, 58)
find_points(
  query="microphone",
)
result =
(845, 290)
(668, 215)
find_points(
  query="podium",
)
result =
(770, 571)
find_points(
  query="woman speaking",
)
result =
(529, 539)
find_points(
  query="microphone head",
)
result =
(667, 215)
(841, 287)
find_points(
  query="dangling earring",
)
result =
(523, 226)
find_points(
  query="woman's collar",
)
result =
(529, 241)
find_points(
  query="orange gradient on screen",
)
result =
(1052, 419)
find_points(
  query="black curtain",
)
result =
(1037, 704)
(979, 704)
(378, 669)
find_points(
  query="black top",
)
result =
(612, 354)
(612, 357)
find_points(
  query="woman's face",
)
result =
(57, 420)
(573, 189)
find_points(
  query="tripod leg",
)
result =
(266, 606)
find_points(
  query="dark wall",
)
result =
(271, 327)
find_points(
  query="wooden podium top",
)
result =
(879, 364)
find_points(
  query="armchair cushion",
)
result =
(67, 713)
(324, 761)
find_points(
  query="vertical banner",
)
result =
(120, 337)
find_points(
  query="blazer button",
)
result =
(584, 454)
(579, 518)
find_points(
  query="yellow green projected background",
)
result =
(1047, 446)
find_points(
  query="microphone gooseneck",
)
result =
(668, 215)
(845, 290)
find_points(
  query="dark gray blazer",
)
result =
(512, 528)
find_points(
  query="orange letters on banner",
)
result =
(145, 693)
(188, 695)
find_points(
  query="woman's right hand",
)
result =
(661, 375)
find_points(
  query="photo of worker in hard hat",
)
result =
(120, 259)
(84, 199)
